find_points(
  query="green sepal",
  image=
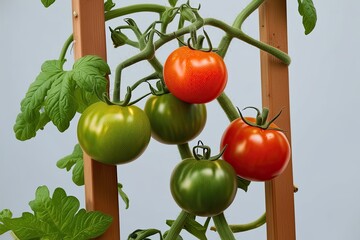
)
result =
(242, 183)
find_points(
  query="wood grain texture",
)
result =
(280, 212)
(100, 180)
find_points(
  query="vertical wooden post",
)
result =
(100, 180)
(280, 214)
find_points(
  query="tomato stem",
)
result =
(65, 47)
(184, 150)
(235, 228)
(223, 228)
(228, 107)
(177, 226)
(248, 226)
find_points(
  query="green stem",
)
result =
(228, 107)
(223, 228)
(136, 8)
(249, 226)
(184, 150)
(239, 34)
(177, 226)
(118, 13)
(66, 47)
(243, 15)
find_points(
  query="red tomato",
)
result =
(195, 76)
(256, 154)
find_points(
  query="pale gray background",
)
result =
(324, 82)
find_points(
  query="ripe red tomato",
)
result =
(195, 76)
(256, 154)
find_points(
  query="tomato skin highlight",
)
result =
(113, 134)
(174, 121)
(203, 187)
(195, 76)
(255, 154)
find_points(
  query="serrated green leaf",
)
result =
(89, 224)
(24, 129)
(47, 3)
(30, 120)
(54, 90)
(89, 73)
(78, 173)
(307, 10)
(55, 218)
(172, 2)
(44, 119)
(51, 70)
(85, 99)
(123, 195)
(6, 213)
(242, 183)
(60, 103)
(75, 159)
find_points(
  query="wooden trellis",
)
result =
(101, 180)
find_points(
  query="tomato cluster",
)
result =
(114, 134)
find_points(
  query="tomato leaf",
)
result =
(59, 103)
(58, 217)
(57, 95)
(75, 161)
(307, 10)
(242, 183)
(89, 73)
(47, 3)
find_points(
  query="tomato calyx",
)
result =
(261, 119)
(206, 152)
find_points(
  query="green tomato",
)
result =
(113, 134)
(174, 121)
(203, 187)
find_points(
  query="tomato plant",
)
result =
(118, 132)
(174, 121)
(195, 76)
(257, 153)
(113, 134)
(203, 186)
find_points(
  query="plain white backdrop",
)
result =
(324, 92)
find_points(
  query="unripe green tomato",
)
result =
(113, 134)
(174, 121)
(203, 187)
